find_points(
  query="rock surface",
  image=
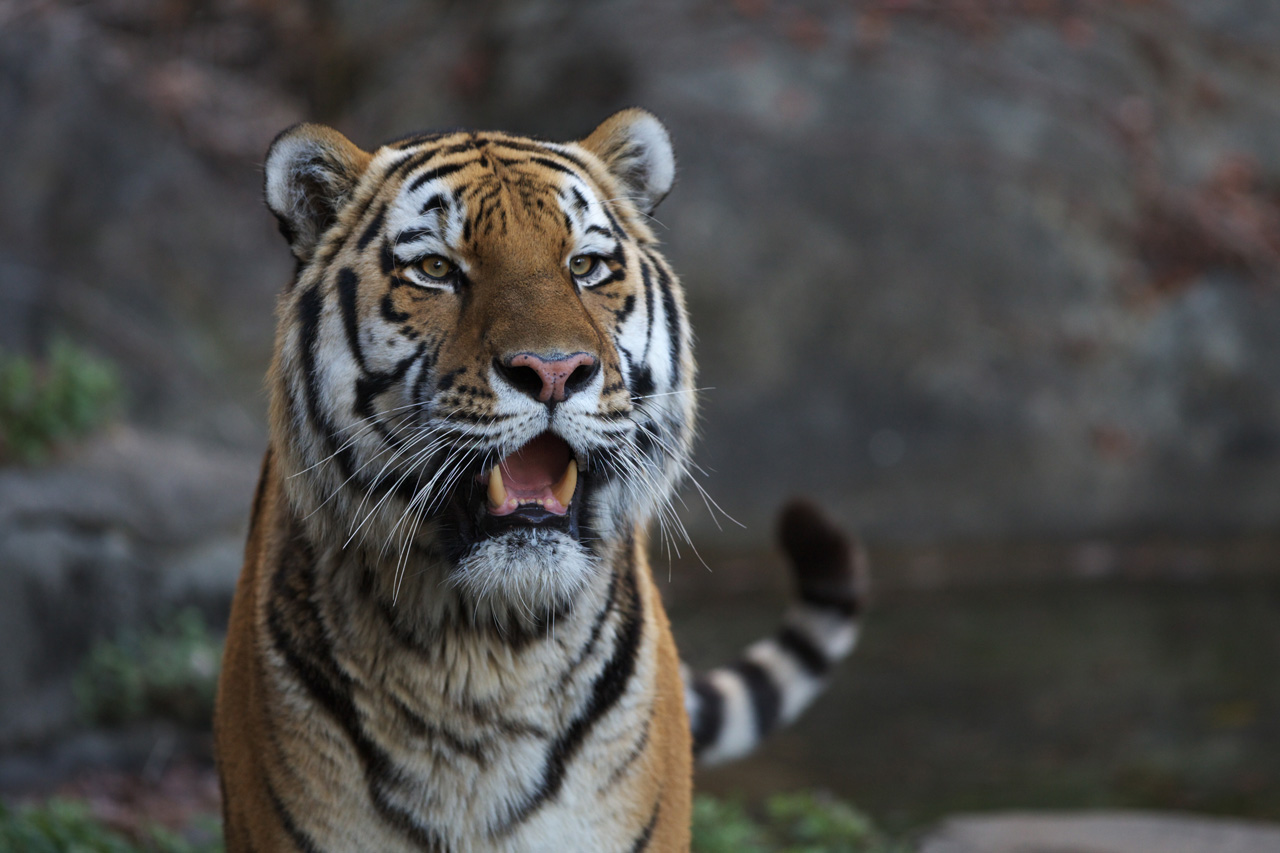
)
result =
(981, 270)
(1101, 832)
(131, 527)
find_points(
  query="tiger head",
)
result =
(483, 361)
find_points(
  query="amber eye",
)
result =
(436, 267)
(580, 265)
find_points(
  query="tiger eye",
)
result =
(436, 267)
(580, 265)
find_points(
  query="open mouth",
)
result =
(542, 474)
(537, 486)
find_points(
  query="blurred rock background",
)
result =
(979, 270)
(997, 280)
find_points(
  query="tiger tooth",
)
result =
(563, 490)
(497, 491)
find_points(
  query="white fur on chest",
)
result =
(471, 725)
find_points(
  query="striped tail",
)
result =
(731, 709)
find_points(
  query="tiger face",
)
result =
(483, 360)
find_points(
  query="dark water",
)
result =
(1063, 695)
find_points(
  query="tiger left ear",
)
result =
(636, 149)
(311, 172)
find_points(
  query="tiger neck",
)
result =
(490, 651)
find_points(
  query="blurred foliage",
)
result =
(63, 826)
(168, 673)
(52, 400)
(802, 822)
(787, 823)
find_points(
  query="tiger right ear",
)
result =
(636, 149)
(312, 171)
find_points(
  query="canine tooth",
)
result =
(497, 491)
(563, 490)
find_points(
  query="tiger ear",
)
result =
(636, 149)
(311, 172)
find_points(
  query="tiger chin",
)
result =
(446, 636)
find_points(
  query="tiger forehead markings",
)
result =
(446, 635)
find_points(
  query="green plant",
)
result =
(44, 403)
(63, 826)
(789, 823)
(723, 826)
(168, 673)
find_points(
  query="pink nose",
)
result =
(549, 380)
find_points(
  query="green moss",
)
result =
(46, 402)
(168, 673)
(62, 826)
(788, 823)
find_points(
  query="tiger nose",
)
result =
(549, 380)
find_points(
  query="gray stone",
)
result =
(1101, 832)
(130, 527)
(942, 264)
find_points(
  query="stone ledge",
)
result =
(126, 528)
(1100, 832)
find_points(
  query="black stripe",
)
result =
(847, 606)
(521, 145)
(299, 838)
(647, 437)
(811, 658)
(422, 728)
(609, 687)
(437, 172)
(766, 697)
(408, 164)
(637, 750)
(673, 320)
(646, 275)
(310, 304)
(298, 632)
(629, 304)
(617, 227)
(424, 157)
(414, 234)
(641, 381)
(514, 629)
(710, 714)
(348, 283)
(421, 384)
(485, 193)
(436, 202)
(375, 225)
(333, 247)
(594, 637)
(615, 275)
(373, 384)
(646, 835)
(552, 164)
(444, 383)
(387, 307)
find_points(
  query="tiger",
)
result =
(446, 635)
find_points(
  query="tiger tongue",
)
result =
(536, 467)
